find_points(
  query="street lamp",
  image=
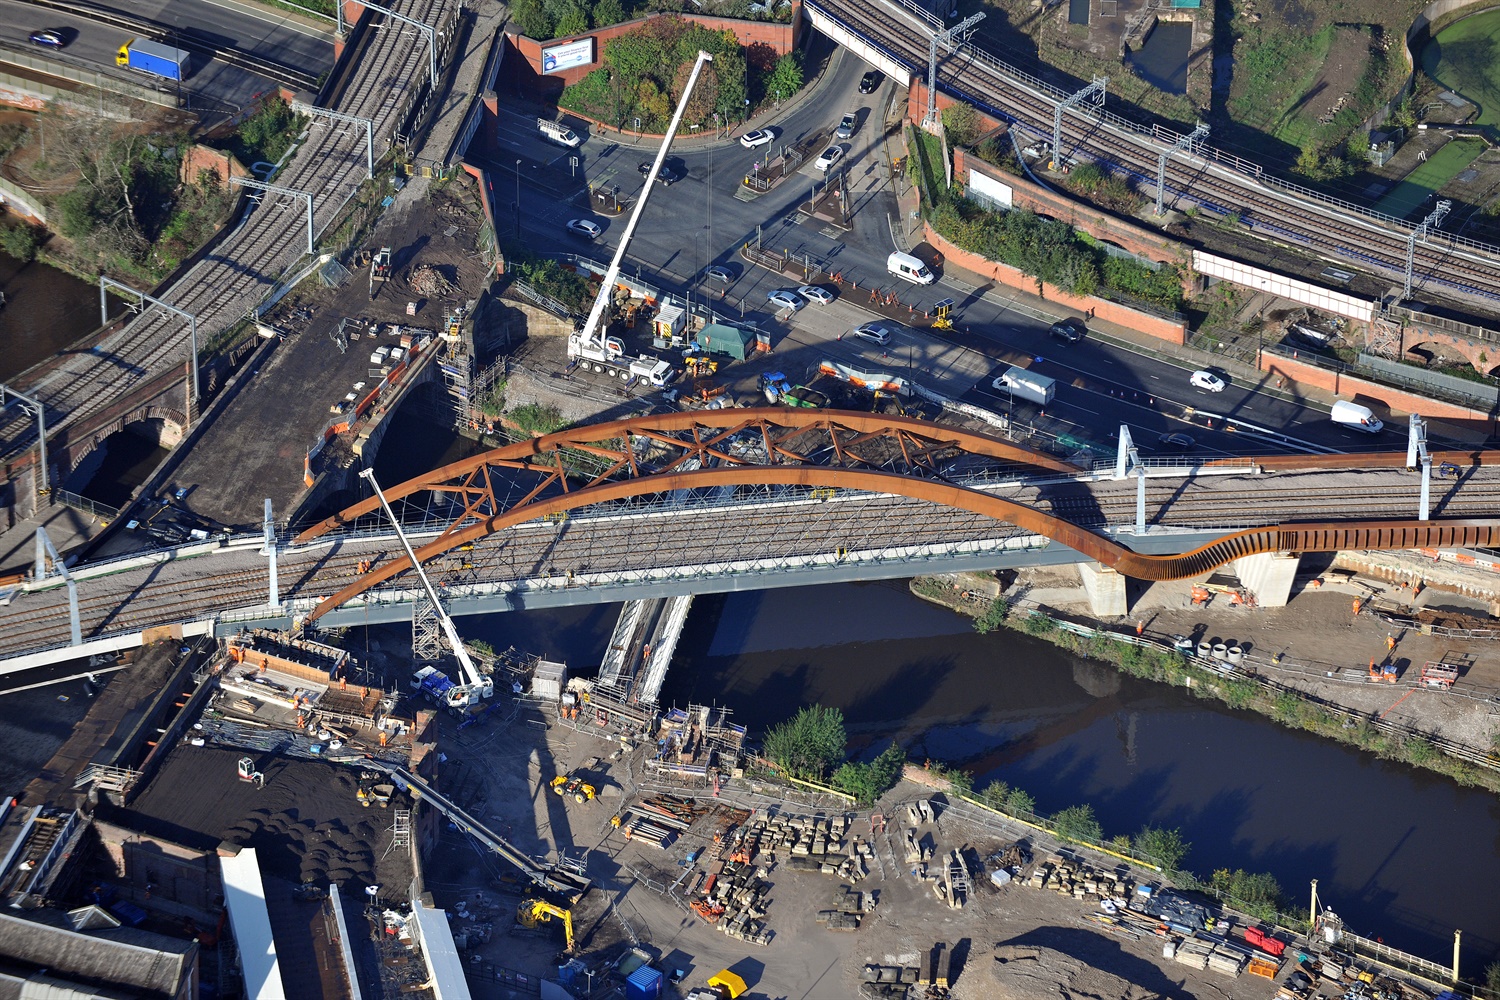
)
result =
(518, 197)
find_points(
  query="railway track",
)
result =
(759, 535)
(223, 287)
(1221, 183)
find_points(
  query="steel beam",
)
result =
(1420, 233)
(339, 116)
(428, 29)
(190, 317)
(959, 31)
(278, 189)
(33, 405)
(1094, 92)
(1189, 141)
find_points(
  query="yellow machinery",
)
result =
(724, 985)
(941, 314)
(569, 784)
(535, 912)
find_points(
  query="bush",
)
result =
(1258, 893)
(1020, 801)
(785, 78)
(1038, 624)
(993, 617)
(267, 134)
(869, 781)
(20, 242)
(535, 418)
(1165, 847)
(1078, 823)
(994, 794)
(809, 743)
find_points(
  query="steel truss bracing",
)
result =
(777, 487)
(1430, 223)
(951, 38)
(1094, 94)
(1189, 142)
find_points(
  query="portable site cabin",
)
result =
(716, 338)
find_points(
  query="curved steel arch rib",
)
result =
(1294, 538)
(915, 440)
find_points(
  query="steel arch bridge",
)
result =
(549, 476)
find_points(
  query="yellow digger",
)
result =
(571, 784)
(535, 912)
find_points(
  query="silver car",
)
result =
(846, 126)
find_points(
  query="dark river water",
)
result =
(45, 310)
(1399, 854)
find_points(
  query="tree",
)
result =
(868, 781)
(1492, 978)
(786, 76)
(1020, 801)
(1165, 847)
(20, 242)
(531, 17)
(993, 616)
(962, 124)
(1259, 893)
(607, 12)
(574, 21)
(994, 794)
(809, 743)
(1078, 823)
(705, 93)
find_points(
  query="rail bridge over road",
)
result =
(140, 368)
(689, 503)
(897, 33)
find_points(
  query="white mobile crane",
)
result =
(475, 686)
(589, 344)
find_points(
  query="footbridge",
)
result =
(141, 366)
(690, 503)
(896, 34)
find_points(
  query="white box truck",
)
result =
(904, 265)
(1357, 417)
(1023, 384)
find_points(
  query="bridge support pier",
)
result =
(1106, 590)
(1268, 576)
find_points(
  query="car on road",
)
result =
(873, 331)
(1176, 441)
(1070, 330)
(666, 176)
(847, 124)
(816, 293)
(1207, 381)
(869, 82)
(714, 272)
(757, 137)
(785, 299)
(52, 38)
(830, 156)
(583, 227)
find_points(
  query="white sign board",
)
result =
(569, 56)
(989, 190)
(1327, 299)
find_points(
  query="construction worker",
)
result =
(1140, 627)
(1390, 643)
(1357, 605)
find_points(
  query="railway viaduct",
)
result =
(691, 503)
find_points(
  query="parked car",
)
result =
(52, 38)
(873, 331)
(1070, 330)
(583, 227)
(1207, 381)
(816, 293)
(757, 137)
(784, 299)
(869, 82)
(846, 126)
(830, 156)
(716, 273)
(1176, 441)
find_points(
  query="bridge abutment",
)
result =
(1106, 590)
(1269, 576)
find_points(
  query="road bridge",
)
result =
(691, 503)
(115, 376)
(1217, 182)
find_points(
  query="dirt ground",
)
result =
(1016, 942)
(305, 824)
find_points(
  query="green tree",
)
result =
(995, 794)
(1259, 893)
(962, 124)
(993, 616)
(1020, 801)
(532, 18)
(1492, 978)
(607, 12)
(869, 781)
(786, 76)
(1078, 823)
(809, 743)
(1165, 847)
(21, 242)
(574, 21)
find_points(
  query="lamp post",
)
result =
(518, 197)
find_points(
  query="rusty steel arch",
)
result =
(919, 442)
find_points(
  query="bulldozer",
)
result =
(571, 784)
(533, 913)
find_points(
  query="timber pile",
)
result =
(846, 908)
(734, 901)
(1081, 881)
(658, 821)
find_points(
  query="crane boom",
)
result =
(471, 675)
(607, 286)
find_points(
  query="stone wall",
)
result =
(1367, 392)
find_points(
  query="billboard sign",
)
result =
(569, 56)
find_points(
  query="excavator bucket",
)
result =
(729, 982)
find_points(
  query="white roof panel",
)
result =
(245, 898)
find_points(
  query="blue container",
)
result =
(644, 984)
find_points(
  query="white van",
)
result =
(1357, 417)
(904, 265)
(558, 132)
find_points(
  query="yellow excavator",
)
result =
(535, 912)
(571, 784)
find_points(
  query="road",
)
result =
(697, 221)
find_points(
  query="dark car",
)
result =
(1176, 441)
(1070, 330)
(666, 176)
(53, 38)
(869, 82)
